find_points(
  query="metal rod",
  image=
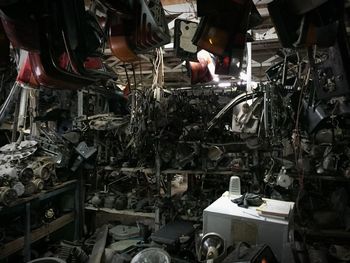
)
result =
(265, 113)
(249, 66)
(23, 108)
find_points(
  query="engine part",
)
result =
(39, 184)
(7, 170)
(283, 179)
(19, 188)
(122, 232)
(123, 245)
(26, 175)
(30, 188)
(7, 195)
(14, 151)
(43, 167)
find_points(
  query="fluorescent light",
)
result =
(224, 84)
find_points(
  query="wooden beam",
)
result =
(173, 2)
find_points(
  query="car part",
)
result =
(212, 248)
(153, 254)
(7, 195)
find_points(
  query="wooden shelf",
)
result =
(44, 194)
(218, 172)
(37, 234)
(121, 212)
(179, 171)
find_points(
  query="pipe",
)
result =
(23, 108)
(249, 66)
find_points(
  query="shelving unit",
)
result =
(30, 236)
(121, 212)
(35, 235)
(216, 172)
(158, 173)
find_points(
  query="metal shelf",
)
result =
(44, 194)
(179, 171)
(121, 212)
(35, 235)
(29, 236)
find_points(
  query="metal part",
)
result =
(212, 247)
(43, 167)
(99, 247)
(30, 188)
(39, 184)
(121, 232)
(237, 100)
(123, 245)
(26, 174)
(19, 188)
(283, 179)
(109, 201)
(85, 152)
(105, 122)
(7, 195)
(16, 152)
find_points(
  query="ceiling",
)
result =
(264, 48)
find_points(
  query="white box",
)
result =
(236, 224)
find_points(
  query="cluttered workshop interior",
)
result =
(158, 131)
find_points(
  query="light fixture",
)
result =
(224, 84)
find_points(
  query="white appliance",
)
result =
(236, 224)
